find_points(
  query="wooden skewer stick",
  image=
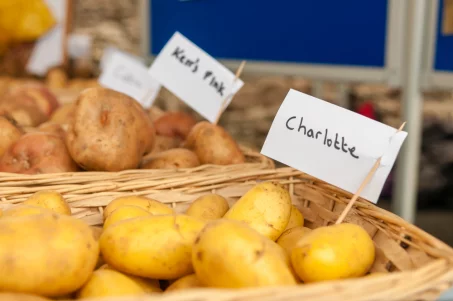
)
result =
(224, 103)
(362, 186)
(66, 32)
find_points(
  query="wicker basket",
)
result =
(420, 266)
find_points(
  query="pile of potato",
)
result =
(103, 130)
(145, 247)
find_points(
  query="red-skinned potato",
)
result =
(163, 143)
(174, 124)
(37, 153)
(23, 109)
(213, 145)
(170, 159)
(10, 132)
(41, 95)
(110, 131)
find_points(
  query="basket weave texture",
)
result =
(419, 266)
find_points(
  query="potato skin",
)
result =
(213, 145)
(157, 247)
(184, 283)
(25, 210)
(241, 258)
(110, 283)
(208, 207)
(163, 143)
(296, 218)
(123, 213)
(171, 159)
(174, 124)
(48, 254)
(51, 200)
(110, 131)
(64, 114)
(45, 100)
(21, 297)
(23, 109)
(266, 208)
(10, 132)
(289, 239)
(36, 153)
(349, 248)
(152, 206)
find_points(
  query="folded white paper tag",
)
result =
(125, 74)
(332, 144)
(107, 54)
(194, 76)
(48, 50)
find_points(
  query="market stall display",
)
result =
(398, 260)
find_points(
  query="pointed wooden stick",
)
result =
(66, 31)
(362, 186)
(224, 103)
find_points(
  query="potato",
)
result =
(51, 200)
(296, 218)
(10, 132)
(289, 239)
(213, 145)
(123, 213)
(174, 124)
(157, 247)
(111, 283)
(36, 153)
(1, 212)
(208, 207)
(163, 143)
(171, 159)
(48, 254)
(266, 208)
(149, 285)
(332, 253)
(97, 231)
(21, 297)
(152, 206)
(183, 283)
(110, 131)
(45, 100)
(23, 109)
(64, 114)
(52, 128)
(56, 78)
(26, 210)
(229, 254)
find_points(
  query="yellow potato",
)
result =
(111, 283)
(229, 254)
(124, 213)
(21, 297)
(48, 254)
(149, 285)
(25, 210)
(290, 238)
(208, 207)
(97, 231)
(157, 247)
(1, 212)
(266, 208)
(333, 252)
(296, 218)
(50, 200)
(152, 206)
(186, 282)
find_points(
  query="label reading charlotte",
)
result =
(321, 135)
(180, 55)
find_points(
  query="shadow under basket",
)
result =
(419, 266)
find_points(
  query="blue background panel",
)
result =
(444, 48)
(313, 32)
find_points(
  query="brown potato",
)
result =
(163, 143)
(174, 124)
(170, 159)
(64, 114)
(52, 128)
(36, 153)
(110, 131)
(213, 145)
(10, 132)
(23, 109)
(41, 96)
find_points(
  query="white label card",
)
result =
(194, 76)
(332, 144)
(125, 74)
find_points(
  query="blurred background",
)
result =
(390, 60)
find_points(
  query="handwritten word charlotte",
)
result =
(292, 124)
(208, 76)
